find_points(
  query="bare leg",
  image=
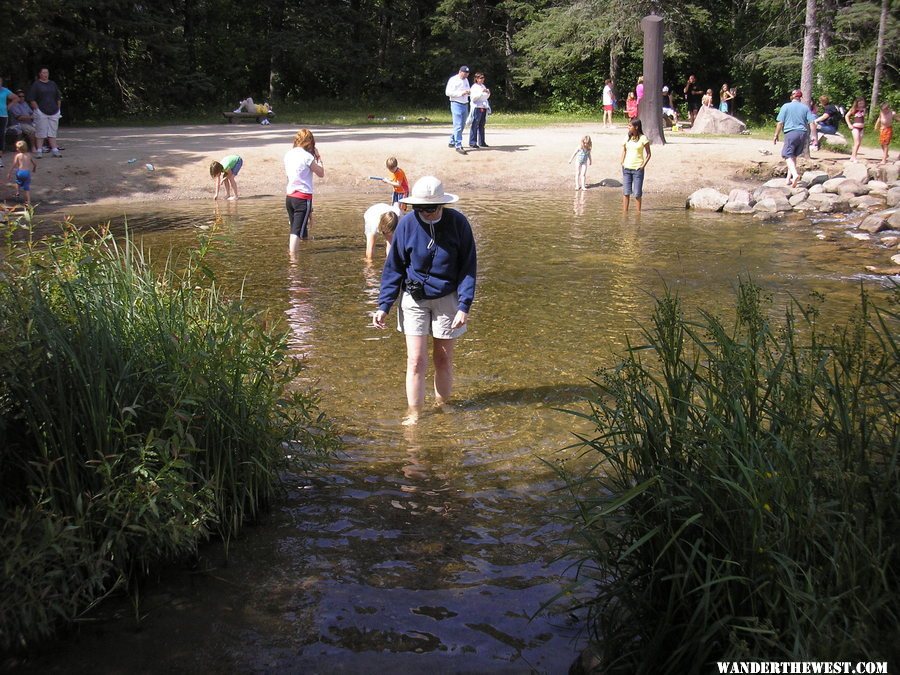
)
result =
(233, 183)
(443, 370)
(293, 243)
(625, 200)
(370, 246)
(416, 365)
(792, 174)
(637, 203)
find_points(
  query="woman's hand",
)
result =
(459, 320)
(378, 319)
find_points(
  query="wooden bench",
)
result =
(247, 117)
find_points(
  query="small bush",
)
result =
(743, 495)
(139, 413)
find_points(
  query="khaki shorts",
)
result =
(429, 317)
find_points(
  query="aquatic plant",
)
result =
(742, 499)
(141, 411)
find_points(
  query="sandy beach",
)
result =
(109, 165)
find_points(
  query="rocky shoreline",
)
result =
(868, 195)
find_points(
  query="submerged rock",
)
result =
(737, 207)
(874, 223)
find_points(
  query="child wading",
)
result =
(225, 172)
(398, 181)
(635, 155)
(24, 166)
(583, 153)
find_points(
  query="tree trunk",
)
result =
(650, 107)
(879, 59)
(826, 25)
(276, 27)
(809, 51)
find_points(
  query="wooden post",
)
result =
(650, 110)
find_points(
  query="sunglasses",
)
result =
(427, 208)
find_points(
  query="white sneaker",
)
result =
(39, 153)
(56, 153)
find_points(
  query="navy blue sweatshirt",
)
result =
(446, 266)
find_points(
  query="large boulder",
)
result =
(707, 199)
(712, 121)
(737, 207)
(813, 177)
(739, 196)
(831, 185)
(892, 198)
(857, 171)
(852, 188)
(798, 198)
(874, 223)
(772, 205)
(888, 172)
(894, 220)
(865, 202)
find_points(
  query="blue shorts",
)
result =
(236, 169)
(23, 179)
(632, 182)
(795, 143)
(397, 196)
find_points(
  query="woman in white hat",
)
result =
(432, 263)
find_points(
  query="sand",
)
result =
(109, 165)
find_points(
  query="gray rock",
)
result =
(808, 206)
(610, 182)
(858, 171)
(894, 220)
(764, 192)
(822, 197)
(831, 185)
(888, 172)
(895, 259)
(841, 206)
(776, 183)
(739, 196)
(816, 189)
(852, 188)
(890, 241)
(712, 121)
(893, 196)
(877, 185)
(813, 177)
(865, 202)
(737, 207)
(707, 199)
(874, 223)
(772, 205)
(798, 198)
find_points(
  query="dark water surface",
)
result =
(430, 549)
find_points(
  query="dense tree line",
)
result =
(123, 58)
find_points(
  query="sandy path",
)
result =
(96, 169)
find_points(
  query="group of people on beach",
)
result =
(804, 126)
(693, 94)
(33, 115)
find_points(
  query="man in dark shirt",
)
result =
(45, 99)
(694, 95)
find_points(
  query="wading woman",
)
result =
(431, 267)
(300, 164)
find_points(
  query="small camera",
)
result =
(415, 289)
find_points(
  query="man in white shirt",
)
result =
(458, 92)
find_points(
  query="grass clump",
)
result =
(140, 413)
(743, 495)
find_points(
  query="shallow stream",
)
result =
(434, 548)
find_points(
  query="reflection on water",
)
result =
(430, 548)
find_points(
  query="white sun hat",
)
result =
(429, 190)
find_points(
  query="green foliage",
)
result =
(139, 413)
(837, 78)
(742, 495)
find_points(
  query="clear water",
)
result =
(435, 548)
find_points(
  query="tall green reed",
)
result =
(742, 495)
(140, 412)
